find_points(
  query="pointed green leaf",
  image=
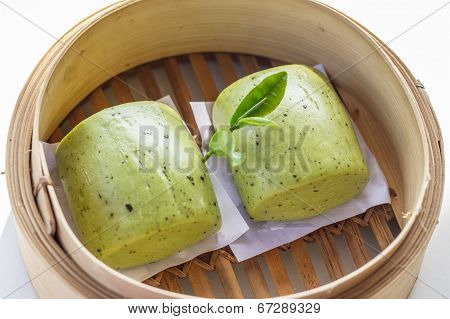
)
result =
(222, 144)
(262, 99)
(255, 121)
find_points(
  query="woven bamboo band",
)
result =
(208, 261)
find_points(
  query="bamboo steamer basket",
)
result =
(156, 41)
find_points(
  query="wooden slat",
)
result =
(171, 282)
(278, 272)
(199, 281)
(355, 243)
(152, 282)
(381, 230)
(275, 63)
(76, 116)
(56, 136)
(226, 68)
(228, 278)
(304, 264)
(204, 76)
(256, 278)
(249, 63)
(330, 254)
(121, 90)
(148, 82)
(182, 95)
(98, 100)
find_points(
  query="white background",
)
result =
(248, 309)
(425, 48)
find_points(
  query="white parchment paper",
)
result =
(263, 236)
(233, 224)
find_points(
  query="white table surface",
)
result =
(418, 31)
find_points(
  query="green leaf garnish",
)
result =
(222, 144)
(262, 100)
(255, 121)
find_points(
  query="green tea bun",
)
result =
(309, 165)
(136, 185)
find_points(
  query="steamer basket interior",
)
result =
(134, 35)
(191, 50)
(326, 255)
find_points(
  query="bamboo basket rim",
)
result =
(439, 173)
(53, 56)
